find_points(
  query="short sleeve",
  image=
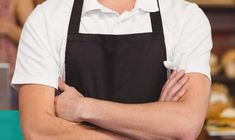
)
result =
(193, 47)
(37, 60)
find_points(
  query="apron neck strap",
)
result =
(156, 20)
(75, 18)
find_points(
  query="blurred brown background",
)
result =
(221, 113)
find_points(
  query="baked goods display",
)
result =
(228, 63)
(224, 65)
(215, 64)
(220, 99)
(221, 112)
(228, 113)
(224, 125)
(221, 127)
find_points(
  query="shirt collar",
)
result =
(90, 5)
(145, 5)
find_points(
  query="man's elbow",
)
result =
(36, 129)
(31, 135)
(185, 128)
(188, 134)
(185, 133)
(31, 132)
(191, 128)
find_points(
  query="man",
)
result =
(115, 53)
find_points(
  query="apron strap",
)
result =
(156, 20)
(75, 18)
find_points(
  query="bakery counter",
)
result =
(204, 136)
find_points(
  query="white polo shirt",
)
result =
(41, 53)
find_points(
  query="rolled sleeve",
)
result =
(193, 47)
(36, 58)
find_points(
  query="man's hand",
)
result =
(172, 90)
(66, 104)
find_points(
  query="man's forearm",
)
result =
(39, 122)
(140, 121)
(168, 120)
(53, 128)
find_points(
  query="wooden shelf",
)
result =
(218, 8)
(221, 17)
(223, 79)
(214, 2)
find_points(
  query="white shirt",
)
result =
(41, 53)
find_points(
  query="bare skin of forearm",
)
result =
(139, 121)
(39, 122)
(54, 128)
(159, 120)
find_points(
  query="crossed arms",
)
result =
(172, 117)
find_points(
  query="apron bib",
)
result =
(120, 68)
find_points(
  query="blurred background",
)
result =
(13, 14)
(220, 123)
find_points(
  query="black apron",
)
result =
(120, 68)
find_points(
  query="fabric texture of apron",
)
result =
(120, 68)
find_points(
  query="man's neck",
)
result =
(119, 5)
